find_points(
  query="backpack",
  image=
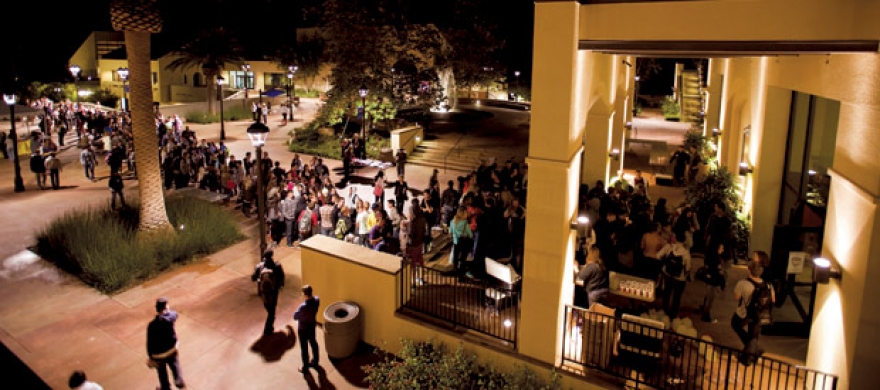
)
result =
(266, 284)
(673, 264)
(341, 228)
(305, 222)
(760, 304)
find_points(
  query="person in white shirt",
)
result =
(676, 266)
(78, 381)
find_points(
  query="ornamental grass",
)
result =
(99, 245)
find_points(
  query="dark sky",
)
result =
(53, 31)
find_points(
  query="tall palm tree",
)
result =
(210, 50)
(138, 19)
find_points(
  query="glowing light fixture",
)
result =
(823, 271)
(745, 168)
(615, 154)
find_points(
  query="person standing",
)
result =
(746, 326)
(676, 260)
(717, 238)
(288, 214)
(401, 163)
(116, 185)
(162, 345)
(38, 167)
(379, 188)
(594, 277)
(679, 160)
(462, 239)
(88, 161)
(269, 276)
(306, 317)
(53, 164)
(78, 381)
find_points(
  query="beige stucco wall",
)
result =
(340, 271)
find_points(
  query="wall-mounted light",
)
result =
(745, 168)
(716, 131)
(625, 62)
(823, 271)
(628, 125)
(615, 154)
(580, 221)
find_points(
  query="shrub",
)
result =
(720, 185)
(434, 366)
(100, 246)
(309, 140)
(671, 107)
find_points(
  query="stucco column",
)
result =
(846, 323)
(553, 180)
(604, 118)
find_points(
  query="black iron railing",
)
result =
(480, 306)
(662, 358)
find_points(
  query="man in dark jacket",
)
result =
(116, 185)
(306, 315)
(162, 345)
(269, 276)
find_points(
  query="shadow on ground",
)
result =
(273, 346)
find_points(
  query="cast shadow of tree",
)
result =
(273, 346)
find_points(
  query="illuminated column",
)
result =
(553, 165)
(846, 322)
(604, 121)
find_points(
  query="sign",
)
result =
(796, 262)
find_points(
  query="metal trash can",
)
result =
(342, 329)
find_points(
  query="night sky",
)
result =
(47, 34)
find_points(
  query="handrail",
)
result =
(594, 340)
(458, 141)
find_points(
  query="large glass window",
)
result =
(810, 151)
(240, 79)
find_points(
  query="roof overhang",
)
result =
(727, 48)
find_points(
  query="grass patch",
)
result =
(100, 246)
(231, 112)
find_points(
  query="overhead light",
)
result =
(823, 271)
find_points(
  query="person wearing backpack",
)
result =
(269, 276)
(676, 266)
(755, 298)
(306, 222)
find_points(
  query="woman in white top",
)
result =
(361, 221)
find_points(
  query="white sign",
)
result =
(796, 262)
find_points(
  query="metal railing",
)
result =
(458, 302)
(454, 148)
(664, 359)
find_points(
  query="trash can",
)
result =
(342, 329)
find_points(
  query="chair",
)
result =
(639, 346)
(505, 283)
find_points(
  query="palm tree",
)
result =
(138, 19)
(210, 50)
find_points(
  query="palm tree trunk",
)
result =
(153, 216)
(211, 89)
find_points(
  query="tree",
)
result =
(365, 39)
(476, 47)
(308, 55)
(210, 50)
(138, 19)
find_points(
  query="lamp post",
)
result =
(246, 68)
(18, 182)
(363, 91)
(516, 75)
(123, 74)
(291, 85)
(220, 82)
(74, 71)
(258, 133)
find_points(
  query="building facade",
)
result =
(793, 88)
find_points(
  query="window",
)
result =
(812, 134)
(197, 80)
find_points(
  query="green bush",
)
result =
(434, 366)
(310, 141)
(100, 246)
(231, 112)
(671, 109)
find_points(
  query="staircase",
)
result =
(453, 152)
(692, 96)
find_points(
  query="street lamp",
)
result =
(74, 71)
(18, 182)
(516, 75)
(220, 82)
(123, 74)
(291, 85)
(363, 91)
(258, 133)
(246, 68)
